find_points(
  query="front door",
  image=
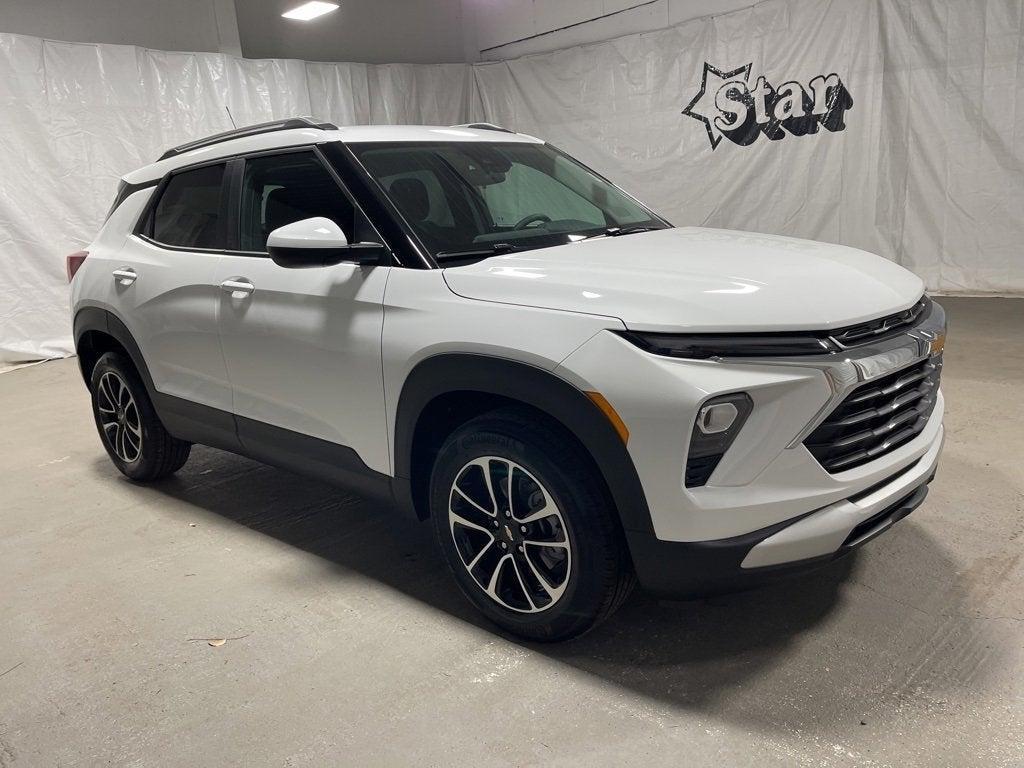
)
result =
(302, 346)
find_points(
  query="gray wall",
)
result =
(374, 31)
(504, 29)
(170, 25)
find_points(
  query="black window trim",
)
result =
(238, 175)
(406, 248)
(231, 201)
(126, 190)
(144, 220)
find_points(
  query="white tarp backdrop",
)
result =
(919, 156)
(75, 117)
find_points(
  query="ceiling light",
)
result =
(310, 10)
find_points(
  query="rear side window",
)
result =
(188, 214)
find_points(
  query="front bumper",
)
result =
(769, 507)
(689, 569)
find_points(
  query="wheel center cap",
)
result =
(506, 529)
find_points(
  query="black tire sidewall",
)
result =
(145, 466)
(579, 495)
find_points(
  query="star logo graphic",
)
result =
(703, 105)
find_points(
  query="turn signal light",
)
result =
(74, 261)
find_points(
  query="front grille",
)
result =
(882, 328)
(877, 417)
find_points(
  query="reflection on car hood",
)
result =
(697, 279)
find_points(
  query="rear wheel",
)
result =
(526, 525)
(132, 433)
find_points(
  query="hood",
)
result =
(698, 280)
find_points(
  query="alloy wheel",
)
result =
(119, 417)
(510, 534)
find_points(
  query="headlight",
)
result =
(718, 422)
(702, 346)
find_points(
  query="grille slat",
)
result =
(870, 413)
(881, 328)
(877, 417)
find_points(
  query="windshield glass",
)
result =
(468, 199)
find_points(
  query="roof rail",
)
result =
(484, 127)
(249, 130)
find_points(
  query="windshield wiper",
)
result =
(475, 252)
(619, 231)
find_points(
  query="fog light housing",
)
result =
(718, 422)
(717, 417)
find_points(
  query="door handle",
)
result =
(125, 275)
(238, 287)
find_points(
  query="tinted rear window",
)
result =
(188, 214)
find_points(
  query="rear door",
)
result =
(302, 346)
(164, 289)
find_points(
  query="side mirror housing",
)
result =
(318, 242)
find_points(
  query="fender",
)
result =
(534, 386)
(184, 420)
(104, 321)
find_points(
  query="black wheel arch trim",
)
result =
(102, 320)
(186, 420)
(431, 378)
(536, 387)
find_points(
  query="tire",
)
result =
(573, 570)
(129, 428)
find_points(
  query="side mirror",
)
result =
(318, 242)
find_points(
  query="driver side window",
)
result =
(527, 191)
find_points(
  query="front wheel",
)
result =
(527, 527)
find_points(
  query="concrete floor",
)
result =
(350, 646)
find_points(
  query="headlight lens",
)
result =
(718, 422)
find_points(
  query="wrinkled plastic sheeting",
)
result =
(929, 171)
(74, 118)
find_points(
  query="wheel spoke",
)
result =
(123, 395)
(465, 496)
(534, 543)
(540, 514)
(553, 592)
(492, 585)
(456, 518)
(119, 442)
(131, 440)
(104, 389)
(485, 465)
(522, 585)
(479, 555)
(508, 487)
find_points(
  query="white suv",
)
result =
(470, 324)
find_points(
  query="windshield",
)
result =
(470, 199)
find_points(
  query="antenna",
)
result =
(230, 117)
